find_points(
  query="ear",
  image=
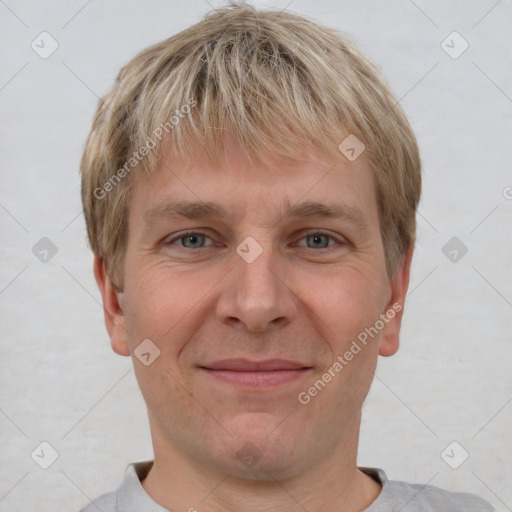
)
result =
(390, 339)
(113, 309)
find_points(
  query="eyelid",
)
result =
(183, 234)
(308, 232)
(338, 238)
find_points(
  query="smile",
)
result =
(256, 375)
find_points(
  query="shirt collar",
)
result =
(385, 500)
(132, 497)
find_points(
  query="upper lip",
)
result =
(244, 365)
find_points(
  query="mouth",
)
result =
(256, 375)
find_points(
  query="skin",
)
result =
(199, 301)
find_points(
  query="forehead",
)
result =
(314, 186)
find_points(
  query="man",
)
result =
(250, 188)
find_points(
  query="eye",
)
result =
(197, 240)
(190, 240)
(319, 240)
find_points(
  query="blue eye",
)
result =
(318, 240)
(196, 240)
(192, 238)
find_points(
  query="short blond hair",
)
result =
(274, 80)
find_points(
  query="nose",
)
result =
(256, 295)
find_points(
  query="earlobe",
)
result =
(112, 308)
(390, 339)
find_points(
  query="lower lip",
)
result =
(257, 380)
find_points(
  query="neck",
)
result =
(179, 482)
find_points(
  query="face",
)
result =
(251, 304)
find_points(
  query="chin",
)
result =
(260, 452)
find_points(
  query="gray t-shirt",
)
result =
(395, 496)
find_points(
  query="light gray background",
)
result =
(451, 380)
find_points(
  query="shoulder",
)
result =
(429, 498)
(106, 503)
(130, 496)
(408, 497)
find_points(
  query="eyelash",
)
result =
(189, 233)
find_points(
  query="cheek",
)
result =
(160, 307)
(345, 301)
(168, 399)
(168, 306)
(350, 305)
(158, 299)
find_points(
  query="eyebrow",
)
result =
(303, 210)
